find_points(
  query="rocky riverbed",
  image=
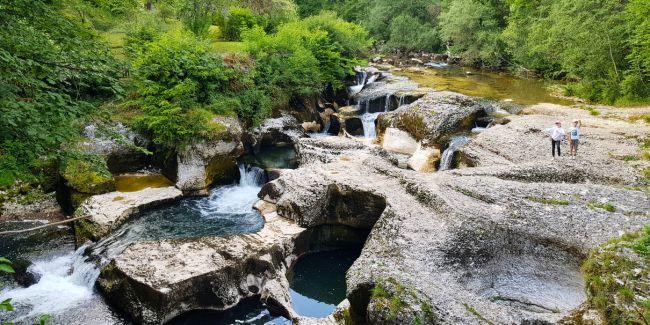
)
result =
(500, 236)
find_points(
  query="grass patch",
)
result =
(640, 117)
(549, 201)
(478, 315)
(592, 110)
(392, 296)
(615, 274)
(605, 206)
(228, 47)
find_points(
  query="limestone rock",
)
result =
(203, 161)
(396, 140)
(106, 212)
(424, 159)
(43, 208)
(459, 247)
(434, 117)
(284, 129)
(116, 143)
(156, 281)
(311, 126)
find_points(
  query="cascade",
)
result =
(448, 155)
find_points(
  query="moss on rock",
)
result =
(618, 279)
(87, 173)
(392, 302)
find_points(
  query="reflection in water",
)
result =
(317, 281)
(246, 312)
(485, 84)
(272, 157)
(136, 182)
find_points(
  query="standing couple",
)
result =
(557, 135)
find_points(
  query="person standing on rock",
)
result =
(557, 134)
(574, 138)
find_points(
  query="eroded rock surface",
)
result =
(285, 129)
(117, 144)
(156, 281)
(42, 208)
(106, 212)
(460, 246)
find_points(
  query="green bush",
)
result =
(239, 20)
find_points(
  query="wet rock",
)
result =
(434, 117)
(396, 140)
(23, 275)
(203, 162)
(106, 212)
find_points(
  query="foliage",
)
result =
(304, 56)
(614, 275)
(239, 20)
(473, 28)
(52, 71)
(177, 78)
(605, 206)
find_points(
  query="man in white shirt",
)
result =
(557, 134)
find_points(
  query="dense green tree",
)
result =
(472, 29)
(52, 72)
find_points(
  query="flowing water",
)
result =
(65, 289)
(368, 122)
(447, 157)
(499, 86)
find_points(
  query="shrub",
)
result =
(239, 20)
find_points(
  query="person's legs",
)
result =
(558, 148)
(553, 147)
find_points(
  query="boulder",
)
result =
(424, 159)
(203, 162)
(22, 274)
(117, 144)
(42, 207)
(433, 118)
(311, 127)
(106, 212)
(396, 140)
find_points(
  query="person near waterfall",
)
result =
(557, 135)
(574, 138)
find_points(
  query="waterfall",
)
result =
(387, 102)
(368, 122)
(455, 142)
(477, 129)
(66, 283)
(402, 99)
(361, 78)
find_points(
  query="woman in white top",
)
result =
(557, 134)
(574, 137)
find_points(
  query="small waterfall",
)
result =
(361, 79)
(387, 102)
(251, 176)
(477, 129)
(368, 122)
(448, 155)
(402, 99)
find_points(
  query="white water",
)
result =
(234, 199)
(66, 284)
(448, 155)
(368, 121)
(402, 100)
(66, 281)
(362, 76)
(387, 102)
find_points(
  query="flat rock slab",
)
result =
(156, 281)
(106, 212)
